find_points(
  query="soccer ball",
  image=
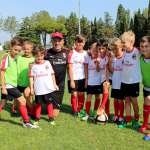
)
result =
(101, 118)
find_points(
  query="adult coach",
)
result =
(57, 55)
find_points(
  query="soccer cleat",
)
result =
(82, 113)
(29, 125)
(121, 124)
(143, 128)
(146, 138)
(135, 124)
(52, 121)
(75, 114)
(85, 118)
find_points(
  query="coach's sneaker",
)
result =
(135, 124)
(29, 125)
(85, 118)
(52, 121)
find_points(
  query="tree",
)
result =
(148, 20)
(11, 25)
(72, 29)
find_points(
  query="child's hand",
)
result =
(86, 83)
(31, 92)
(100, 111)
(72, 84)
(4, 91)
(56, 87)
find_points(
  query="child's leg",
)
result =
(107, 107)
(97, 102)
(2, 104)
(23, 109)
(128, 109)
(14, 106)
(135, 108)
(50, 110)
(74, 101)
(88, 103)
(80, 101)
(116, 108)
(121, 109)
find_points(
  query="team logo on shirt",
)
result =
(46, 67)
(134, 56)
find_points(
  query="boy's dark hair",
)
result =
(103, 43)
(145, 39)
(38, 49)
(16, 41)
(80, 38)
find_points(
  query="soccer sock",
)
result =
(87, 106)
(80, 102)
(38, 109)
(121, 109)
(107, 109)
(96, 105)
(128, 119)
(23, 112)
(104, 100)
(146, 112)
(50, 110)
(136, 117)
(74, 103)
(116, 107)
(1, 108)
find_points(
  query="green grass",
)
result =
(69, 134)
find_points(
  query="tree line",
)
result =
(40, 24)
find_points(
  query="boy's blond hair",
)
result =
(128, 36)
(116, 41)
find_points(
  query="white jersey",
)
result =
(131, 67)
(117, 64)
(42, 74)
(103, 67)
(94, 77)
(78, 60)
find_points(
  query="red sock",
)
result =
(74, 103)
(96, 105)
(128, 119)
(146, 112)
(121, 109)
(104, 100)
(87, 106)
(80, 102)
(116, 107)
(107, 107)
(50, 110)
(1, 108)
(23, 112)
(136, 117)
(38, 109)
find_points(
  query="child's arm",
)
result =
(4, 90)
(54, 82)
(110, 68)
(31, 85)
(72, 83)
(97, 66)
(86, 74)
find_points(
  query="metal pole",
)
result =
(79, 26)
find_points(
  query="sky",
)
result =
(89, 8)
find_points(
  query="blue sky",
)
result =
(89, 8)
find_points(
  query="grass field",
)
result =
(69, 134)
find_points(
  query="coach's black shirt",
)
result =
(58, 61)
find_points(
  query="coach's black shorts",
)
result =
(146, 93)
(130, 89)
(21, 88)
(12, 93)
(93, 89)
(55, 97)
(79, 86)
(117, 94)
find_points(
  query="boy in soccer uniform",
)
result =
(22, 70)
(131, 77)
(145, 68)
(9, 81)
(76, 83)
(93, 80)
(42, 84)
(104, 74)
(115, 66)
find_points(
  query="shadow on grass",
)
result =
(66, 109)
(10, 121)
